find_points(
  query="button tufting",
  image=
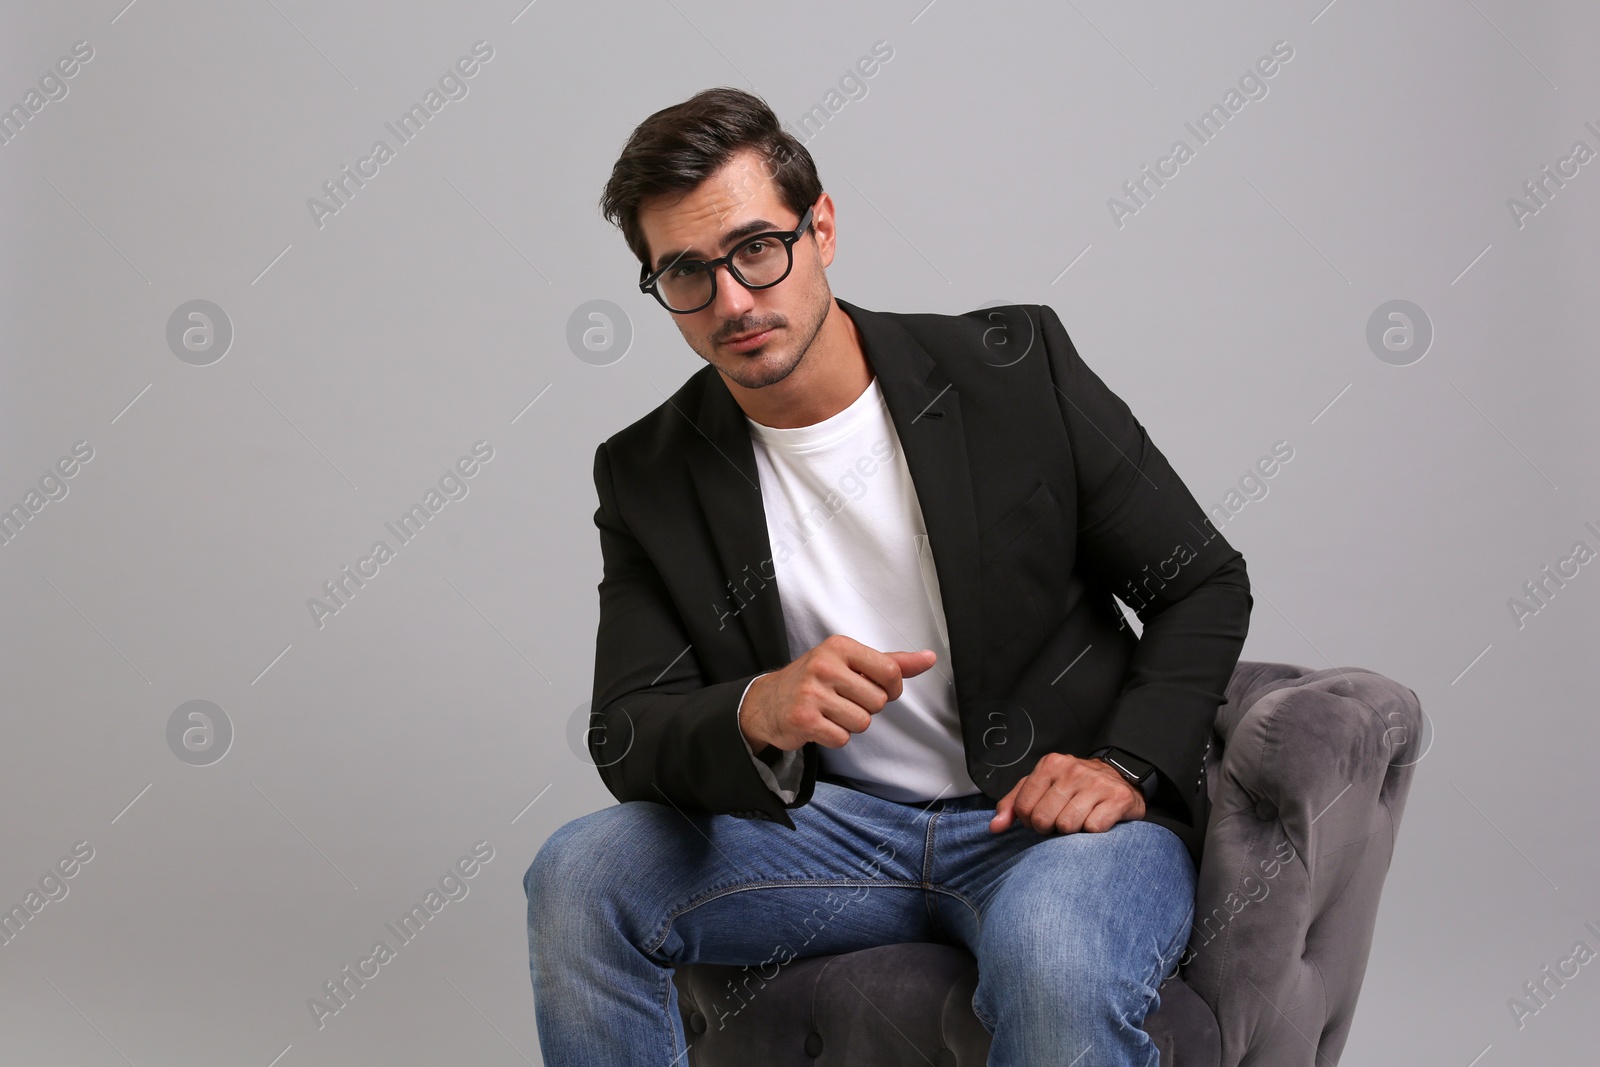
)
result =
(697, 1023)
(1266, 810)
(813, 1044)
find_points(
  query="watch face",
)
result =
(1132, 768)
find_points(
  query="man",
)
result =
(858, 655)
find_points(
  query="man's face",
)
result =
(736, 201)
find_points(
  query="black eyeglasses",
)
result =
(757, 262)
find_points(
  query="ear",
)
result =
(822, 227)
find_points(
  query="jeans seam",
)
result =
(927, 871)
(1182, 938)
(1163, 960)
(977, 917)
(774, 883)
(666, 1013)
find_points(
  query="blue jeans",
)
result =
(1072, 932)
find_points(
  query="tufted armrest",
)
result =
(1307, 776)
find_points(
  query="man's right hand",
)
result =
(829, 693)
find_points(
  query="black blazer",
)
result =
(1042, 495)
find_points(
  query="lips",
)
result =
(749, 340)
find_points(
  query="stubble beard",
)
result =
(756, 370)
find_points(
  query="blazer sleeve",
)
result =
(1142, 536)
(657, 730)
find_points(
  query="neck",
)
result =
(832, 374)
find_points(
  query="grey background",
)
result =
(433, 711)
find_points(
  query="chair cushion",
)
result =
(903, 1004)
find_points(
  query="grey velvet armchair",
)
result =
(1307, 773)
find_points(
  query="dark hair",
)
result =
(678, 147)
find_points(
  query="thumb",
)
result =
(1002, 814)
(914, 663)
(1004, 808)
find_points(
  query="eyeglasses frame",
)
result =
(648, 280)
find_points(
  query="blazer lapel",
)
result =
(722, 463)
(926, 411)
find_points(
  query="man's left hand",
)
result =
(1068, 794)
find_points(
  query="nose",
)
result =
(732, 299)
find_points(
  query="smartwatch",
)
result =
(1141, 774)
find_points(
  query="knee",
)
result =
(594, 856)
(538, 877)
(563, 862)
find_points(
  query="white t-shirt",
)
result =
(852, 557)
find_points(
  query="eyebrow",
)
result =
(728, 238)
